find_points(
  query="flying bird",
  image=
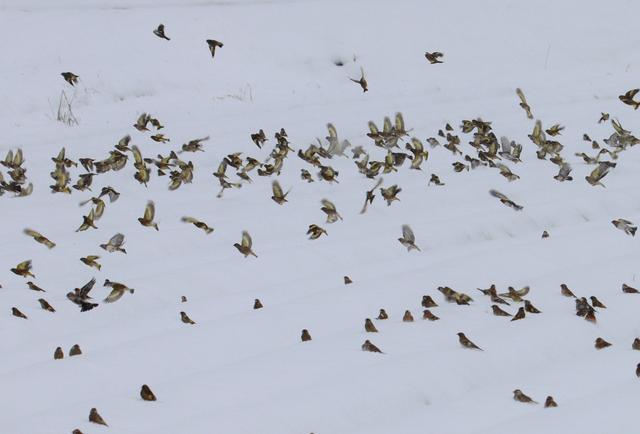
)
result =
(245, 245)
(149, 214)
(505, 200)
(466, 342)
(70, 78)
(117, 291)
(362, 81)
(408, 239)
(434, 57)
(213, 44)
(159, 32)
(114, 244)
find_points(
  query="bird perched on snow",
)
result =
(257, 304)
(95, 417)
(434, 57)
(159, 32)
(629, 289)
(185, 318)
(408, 239)
(428, 302)
(499, 312)
(213, 44)
(519, 315)
(75, 350)
(368, 346)
(245, 245)
(407, 317)
(465, 342)
(597, 303)
(549, 402)
(529, 307)
(146, 394)
(382, 315)
(369, 326)
(625, 225)
(44, 304)
(149, 214)
(564, 290)
(32, 286)
(362, 81)
(521, 397)
(114, 244)
(16, 312)
(58, 354)
(305, 336)
(428, 315)
(117, 291)
(505, 200)
(601, 343)
(70, 78)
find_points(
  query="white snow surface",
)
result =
(245, 371)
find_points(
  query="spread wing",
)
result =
(115, 295)
(407, 233)
(149, 211)
(277, 190)
(246, 239)
(117, 240)
(84, 291)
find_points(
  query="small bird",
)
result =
(407, 317)
(305, 336)
(465, 342)
(627, 98)
(278, 196)
(549, 402)
(636, 344)
(382, 315)
(91, 261)
(109, 191)
(245, 245)
(44, 304)
(185, 318)
(76, 431)
(629, 289)
(370, 196)
(257, 304)
(16, 312)
(75, 350)
(23, 269)
(80, 296)
(564, 173)
(70, 78)
(523, 103)
(428, 302)
(159, 32)
(117, 291)
(183, 299)
(213, 44)
(149, 214)
(58, 354)
(521, 397)
(146, 394)
(362, 81)
(95, 417)
(564, 290)
(88, 221)
(638, 370)
(601, 343)
(330, 210)
(505, 200)
(428, 315)
(603, 117)
(545, 235)
(519, 315)
(601, 170)
(433, 57)
(259, 138)
(390, 194)
(408, 239)
(38, 237)
(32, 286)
(369, 326)
(347, 280)
(499, 312)
(197, 223)
(114, 244)
(368, 346)
(315, 231)
(625, 225)
(597, 303)
(529, 307)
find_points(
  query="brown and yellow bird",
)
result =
(627, 98)
(197, 223)
(466, 342)
(330, 210)
(38, 237)
(91, 261)
(23, 269)
(149, 214)
(278, 196)
(117, 291)
(245, 245)
(362, 81)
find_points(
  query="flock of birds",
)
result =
(400, 151)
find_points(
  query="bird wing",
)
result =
(149, 211)
(117, 240)
(277, 190)
(32, 233)
(246, 240)
(496, 193)
(84, 291)
(137, 155)
(115, 295)
(407, 233)
(400, 123)
(329, 205)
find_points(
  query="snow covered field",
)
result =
(245, 371)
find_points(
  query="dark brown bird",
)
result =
(549, 402)
(627, 98)
(545, 234)
(530, 307)
(521, 397)
(369, 326)
(382, 315)
(597, 303)
(314, 231)
(519, 315)
(70, 78)
(601, 343)
(58, 354)
(434, 57)
(368, 346)
(257, 304)
(16, 312)
(32, 286)
(183, 299)
(159, 32)
(465, 342)
(146, 394)
(362, 81)
(305, 336)
(95, 417)
(44, 304)
(76, 431)
(428, 302)
(75, 350)
(564, 290)
(347, 280)
(629, 289)
(636, 344)
(185, 318)
(426, 314)
(213, 44)
(407, 317)
(499, 312)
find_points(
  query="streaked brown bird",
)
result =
(434, 57)
(347, 280)
(91, 261)
(407, 317)
(185, 318)
(257, 304)
(95, 417)
(428, 315)
(629, 289)
(38, 237)
(149, 214)
(278, 196)
(638, 370)
(601, 343)
(213, 44)
(428, 302)
(549, 402)
(315, 231)
(245, 245)
(75, 350)
(627, 98)
(305, 336)
(58, 354)
(521, 397)
(499, 312)
(32, 286)
(115, 244)
(368, 346)
(466, 342)
(16, 312)
(369, 326)
(23, 269)
(597, 303)
(564, 290)
(519, 315)
(529, 307)
(146, 394)
(625, 225)
(44, 304)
